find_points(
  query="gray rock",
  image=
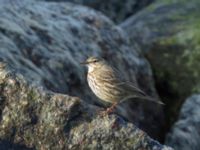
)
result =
(117, 10)
(168, 34)
(46, 41)
(33, 118)
(185, 134)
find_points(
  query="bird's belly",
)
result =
(101, 91)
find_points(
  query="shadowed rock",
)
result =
(5, 145)
(117, 10)
(185, 133)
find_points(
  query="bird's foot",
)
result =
(108, 110)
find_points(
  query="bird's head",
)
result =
(93, 63)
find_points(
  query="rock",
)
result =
(168, 34)
(185, 133)
(47, 41)
(117, 10)
(33, 118)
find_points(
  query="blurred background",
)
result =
(154, 43)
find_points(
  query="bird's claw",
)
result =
(108, 110)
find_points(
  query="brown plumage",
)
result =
(107, 85)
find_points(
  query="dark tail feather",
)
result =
(144, 98)
(152, 100)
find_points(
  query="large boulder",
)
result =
(185, 134)
(33, 118)
(46, 42)
(117, 10)
(168, 34)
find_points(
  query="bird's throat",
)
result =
(90, 69)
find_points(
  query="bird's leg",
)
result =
(109, 110)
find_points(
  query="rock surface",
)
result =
(185, 133)
(33, 118)
(46, 41)
(168, 33)
(117, 10)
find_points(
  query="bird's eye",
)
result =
(95, 61)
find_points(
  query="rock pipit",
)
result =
(107, 84)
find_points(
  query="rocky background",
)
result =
(45, 102)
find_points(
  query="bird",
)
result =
(107, 84)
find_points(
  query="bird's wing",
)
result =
(111, 75)
(119, 75)
(135, 92)
(127, 89)
(108, 75)
(131, 88)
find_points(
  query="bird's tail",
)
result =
(145, 98)
(152, 100)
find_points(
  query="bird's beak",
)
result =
(84, 63)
